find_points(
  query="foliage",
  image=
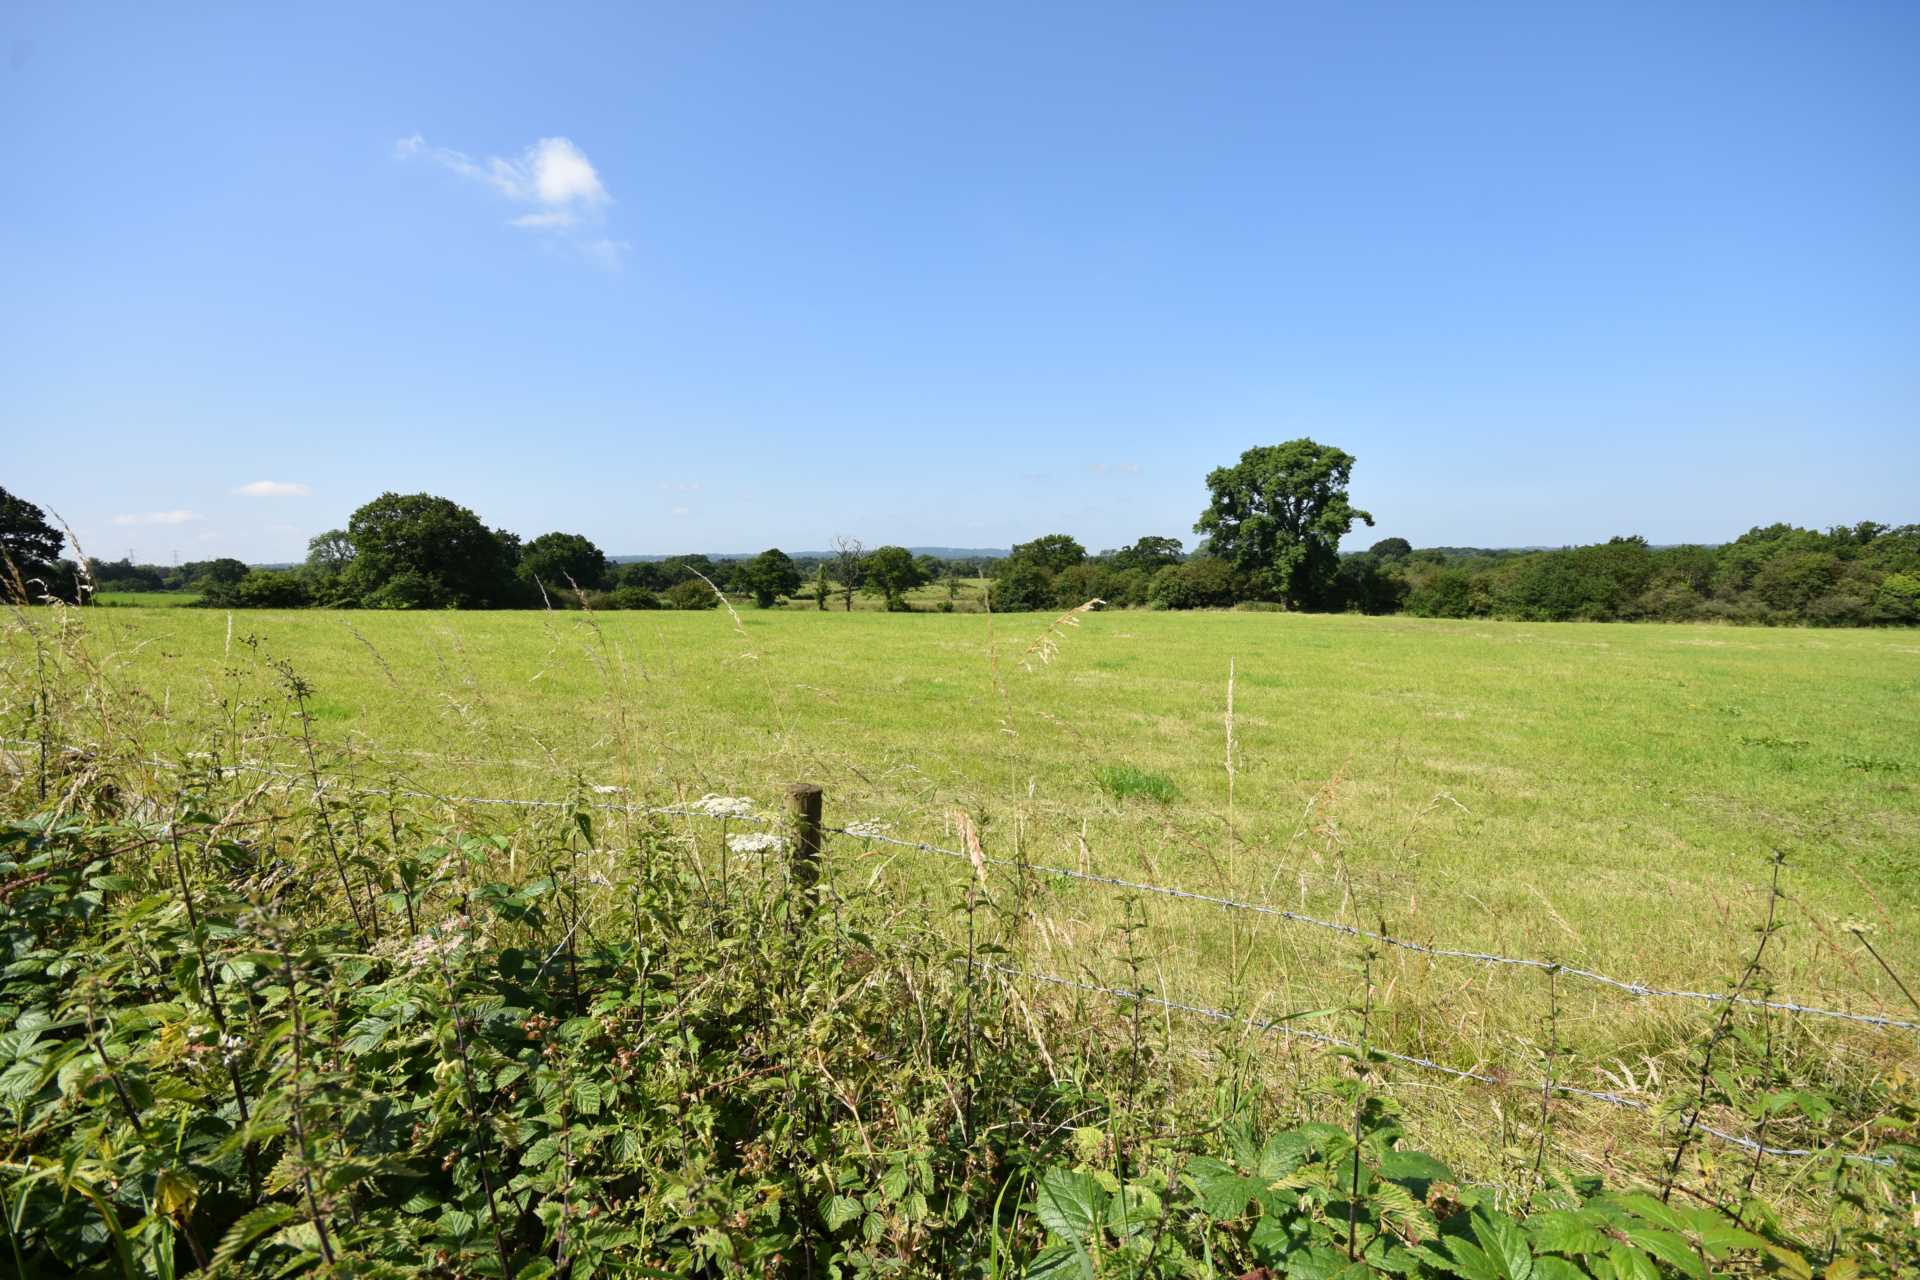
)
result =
(891, 572)
(210, 1067)
(29, 552)
(562, 563)
(1051, 552)
(1021, 586)
(1204, 582)
(632, 598)
(1278, 516)
(690, 593)
(421, 551)
(769, 576)
(260, 589)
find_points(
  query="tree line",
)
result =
(1271, 530)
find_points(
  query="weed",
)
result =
(1123, 780)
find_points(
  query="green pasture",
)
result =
(1608, 796)
(146, 599)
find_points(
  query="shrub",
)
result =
(1204, 582)
(632, 598)
(690, 594)
(260, 589)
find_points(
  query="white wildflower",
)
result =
(713, 806)
(608, 791)
(436, 943)
(756, 842)
(868, 830)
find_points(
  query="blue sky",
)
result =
(724, 276)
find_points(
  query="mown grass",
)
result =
(1605, 795)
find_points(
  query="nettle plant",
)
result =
(284, 1033)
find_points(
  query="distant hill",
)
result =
(944, 553)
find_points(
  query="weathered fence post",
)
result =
(804, 803)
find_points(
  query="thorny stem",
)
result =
(1359, 1105)
(210, 998)
(299, 1124)
(1722, 1025)
(298, 688)
(473, 1115)
(1546, 1085)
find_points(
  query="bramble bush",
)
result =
(259, 1040)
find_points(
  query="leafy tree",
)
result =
(224, 572)
(1020, 586)
(30, 565)
(849, 561)
(1446, 594)
(891, 572)
(560, 561)
(1149, 553)
(260, 589)
(446, 554)
(1278, 516)
(31, 543)
(820, 586)
(1391, 549)
(1204, 582)
(770, 575)
(1052, 552)
(329, 554)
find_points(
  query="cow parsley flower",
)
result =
(713, 806)
(757, 842)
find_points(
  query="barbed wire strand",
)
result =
(1427, 1064)
(1639, 990)
(1295, 917)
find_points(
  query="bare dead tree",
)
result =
(849, 554)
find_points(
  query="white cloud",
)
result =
(274, 489)
(553, 175)
(680, 511)
(159, 517)
(680, 486)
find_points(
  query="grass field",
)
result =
(146, 599)
(1607, 796)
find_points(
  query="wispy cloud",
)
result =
(274, 489)
(159, 517)
(681, 511)
(680, 486)
(1114, 468)
(553, 174)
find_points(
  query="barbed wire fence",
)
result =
(728, 809)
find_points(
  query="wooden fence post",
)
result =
(804, 804)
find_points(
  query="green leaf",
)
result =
(1070, 1204)
(241, 1235)
(1631, 1264)
(1556, 1269)
(1060, 1262)
(1670, 1248)
(1506, 1245)
(841, 1210)
(586, 1097)
(1568, 1231)
(1470, 1263)
(1414, 1166)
